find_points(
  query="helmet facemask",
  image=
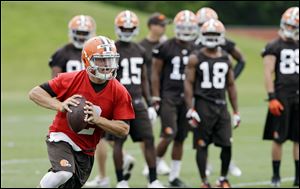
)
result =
(186, 32)
(103, 67)
(126, 34)
(212, 39)
(79, 37)
(289, 30)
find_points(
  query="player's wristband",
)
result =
(271, 96)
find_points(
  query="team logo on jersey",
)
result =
(65, 163)
(184, 52)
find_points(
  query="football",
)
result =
(76, 117)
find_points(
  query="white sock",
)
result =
(175, 169)
(222, 178)
(158, 160)
(54, 180)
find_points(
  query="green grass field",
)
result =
(31, 32)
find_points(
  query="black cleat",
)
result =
(177, 183)
(275, 181)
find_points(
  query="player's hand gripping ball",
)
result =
(76, 117)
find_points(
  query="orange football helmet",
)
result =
(81, 28)
(100, 58)
(186, 28)
(126, 25)
(212, 33)
(289, 24)
(204, 14)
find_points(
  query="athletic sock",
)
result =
(175, 169)
(119, 174)
(276, 168)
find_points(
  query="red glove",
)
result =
(275, 107)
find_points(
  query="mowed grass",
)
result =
(31, 32)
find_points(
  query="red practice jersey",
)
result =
(114, 101)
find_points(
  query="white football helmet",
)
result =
(81, 28)
(289, 23)
(186, 28)
(204, 14)
(126, 25)
(212, 33)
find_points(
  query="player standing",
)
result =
(132, 74)
(209, 74)
(281, 59)
(204, 14)
(170, 59)
(68, 58)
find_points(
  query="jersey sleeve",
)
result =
(56, 59)
(270, 49)
(123, 109)
(229, 45)
(61, 84)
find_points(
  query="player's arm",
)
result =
(44, 97)
(145, 85)
(232, 92)
(115, 127)
(275, 105)
(190, 71)
(240, 65)
(269, 68)
(157, 65)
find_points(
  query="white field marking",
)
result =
(22, 161)
(286, 179)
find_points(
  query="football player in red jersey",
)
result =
(72, 154)
(68, 58)
(281, 59)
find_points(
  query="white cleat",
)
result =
(145, 171)
(122, 184)
(156, 184)
(209, 169)
(98, 182)
(127, 166)
(162, 168)
(234, 170)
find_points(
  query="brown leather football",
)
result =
(76, 117)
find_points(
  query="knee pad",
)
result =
(55, 179)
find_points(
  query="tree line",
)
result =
(230, 12)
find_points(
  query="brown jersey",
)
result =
(286, 66)
(68, 58)
(211, 77)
